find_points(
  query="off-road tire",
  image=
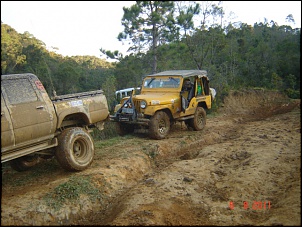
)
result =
(123, 129)
(199, 121)
(159, 125)
(24, 163)
(75, 151)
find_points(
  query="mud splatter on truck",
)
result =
(34, 126)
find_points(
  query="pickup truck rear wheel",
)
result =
(123, 128)
(24, 163)
(159, 125)
(199, 121)
(75, 151)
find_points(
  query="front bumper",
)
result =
(128, 115)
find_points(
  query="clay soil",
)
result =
(244, 168)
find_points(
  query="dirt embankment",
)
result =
(243, 169)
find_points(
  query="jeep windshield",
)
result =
(162, 82)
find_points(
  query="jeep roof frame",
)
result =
(182, 73)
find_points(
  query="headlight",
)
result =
(143, 104)
(124, 103)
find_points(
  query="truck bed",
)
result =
(76, 95)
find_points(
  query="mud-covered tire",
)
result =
(199, 121)
(75, 151)
(159, 125)
(123, 128)
(24, 163)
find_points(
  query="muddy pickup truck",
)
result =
(35, 126)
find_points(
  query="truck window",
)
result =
(19, 91)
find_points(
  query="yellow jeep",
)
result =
(165, 97)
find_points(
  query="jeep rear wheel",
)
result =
(159, 126)
(123, 128)
(199, 121)
(76, 149)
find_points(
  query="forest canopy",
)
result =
(236, 56)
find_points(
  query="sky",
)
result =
(83, 27)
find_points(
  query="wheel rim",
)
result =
(162, 128)
(80, 150)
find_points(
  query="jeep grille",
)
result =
(137, 104)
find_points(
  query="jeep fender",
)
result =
(150, 110)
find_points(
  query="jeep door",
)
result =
(30, 116)
(187, 92)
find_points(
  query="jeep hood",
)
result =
(158, 97)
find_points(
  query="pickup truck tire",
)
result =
(24, 163)
(199, 121)
(159, 125)
(123, 128)
(75, 151)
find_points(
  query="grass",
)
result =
(107, 143)
(41, 170)
(71, 190)
(108, 132)
(127, 140)
(151, 150)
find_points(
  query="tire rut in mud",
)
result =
(188, 148)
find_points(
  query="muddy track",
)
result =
(164, 159)
(188, 179)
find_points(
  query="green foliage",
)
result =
(70, 191)
(107, 143)
(11, 49)
(108, 132)
(276, 81)
(23, 53)
(293, 94)
(109, 87)
(215, 106)
(151, 150)
(235, 56)
(39, 171)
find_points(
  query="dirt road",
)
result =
(243, 169)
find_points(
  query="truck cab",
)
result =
(27, 115)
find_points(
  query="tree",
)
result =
(11, 49)
(109, 88)
(205, 41)
(67, 78)
(290, 19)
(147, 24)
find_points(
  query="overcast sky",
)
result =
(83, 27)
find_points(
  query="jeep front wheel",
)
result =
(75, 151)
(159, 126)
(199, 121)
